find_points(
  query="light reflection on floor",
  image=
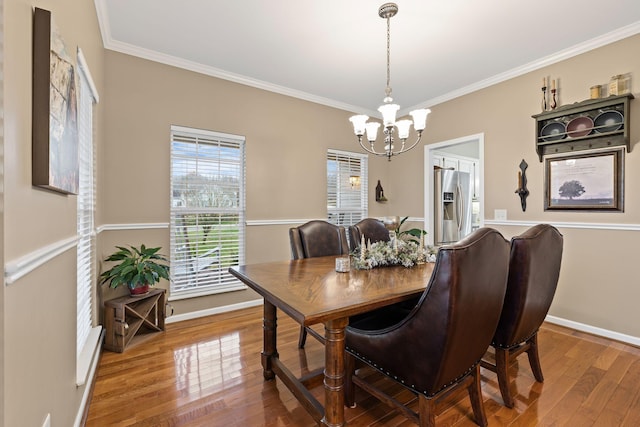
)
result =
(208, 367)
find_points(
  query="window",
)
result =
(346, 187)
(207, 211)
(86, 335)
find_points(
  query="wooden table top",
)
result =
(311, 291)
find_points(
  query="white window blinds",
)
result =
(346, 187)
(86, 204)
(207, 211)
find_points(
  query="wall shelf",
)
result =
(599, 135)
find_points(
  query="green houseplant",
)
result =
(138, 268)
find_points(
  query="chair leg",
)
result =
(349, 386)
(502, 370)
(427, 408)
(534, 359)
(303, 337)
(475, 394)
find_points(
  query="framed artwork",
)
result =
(55, 113)
(590, 181)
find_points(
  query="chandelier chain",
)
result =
(388, 89)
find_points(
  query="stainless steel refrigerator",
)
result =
(452, 205)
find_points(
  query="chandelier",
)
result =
(389, 110)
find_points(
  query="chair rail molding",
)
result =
(579, 225)
(131, 226)
(22, 266)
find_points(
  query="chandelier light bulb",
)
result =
(359, 122)
(420, 118)
(372, 131)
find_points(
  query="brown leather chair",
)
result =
(437, 346)
(534, 268)
(373, 230)
(313, 239)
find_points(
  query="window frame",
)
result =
(212, 261)
(354, 164)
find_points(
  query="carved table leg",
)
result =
(269, 327)
(334, 372)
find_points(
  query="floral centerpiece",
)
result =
(383, 254)
(405, 248)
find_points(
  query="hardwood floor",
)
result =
(207, 372)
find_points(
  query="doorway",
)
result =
(469, 147)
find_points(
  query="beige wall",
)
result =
(598, 285)
(39, 308)
(287, 139)
(286, 144)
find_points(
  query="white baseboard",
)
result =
(551, 319)
(594, 330)
(211, 311)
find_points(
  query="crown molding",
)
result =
(117, 46)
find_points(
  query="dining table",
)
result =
(312, 292)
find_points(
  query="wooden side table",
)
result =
(128, 317)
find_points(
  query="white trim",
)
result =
(577, 225)
(208, 133)
(257, 222)
(88, 354)
(82, 62)
(111, 44)
(212, 311)
(132, 226)
(551, 319)
(89, 384)
(163, 58)
(586, 46)
(207, 290)
(15, 269)
(594, 330)
(294, 221)
(429, 149)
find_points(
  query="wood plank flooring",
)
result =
(206, 372)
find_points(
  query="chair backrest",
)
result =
(450, 329)
(373, 230)
(534, 268)
(317, 238)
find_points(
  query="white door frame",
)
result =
(428, 177)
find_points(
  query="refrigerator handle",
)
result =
(460, 207)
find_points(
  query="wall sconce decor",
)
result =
(522, 185)
(354, 180)
(380, 193)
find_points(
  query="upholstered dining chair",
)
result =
(437, 345)
(314, 239)
(373, 229)
(534, 268)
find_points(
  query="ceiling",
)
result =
(334, 52)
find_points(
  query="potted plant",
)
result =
(138, 268)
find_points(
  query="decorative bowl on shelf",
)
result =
(580, 126)
(553, 131)
(608, 121)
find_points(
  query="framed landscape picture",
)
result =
(55, 109)
(589, 181)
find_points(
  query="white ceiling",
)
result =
(334, 51)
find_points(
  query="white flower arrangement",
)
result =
(383, 254)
